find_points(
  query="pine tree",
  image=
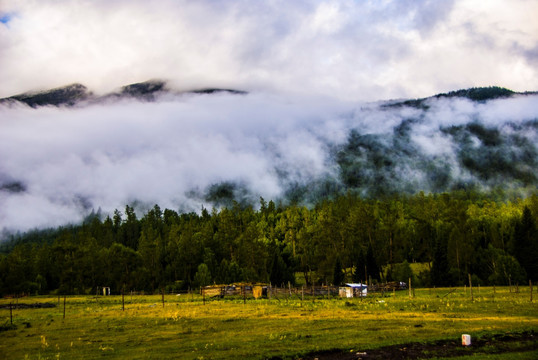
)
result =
(526, 244)
(339, 276)
(371, 264)
(440, 268)
(359, 273)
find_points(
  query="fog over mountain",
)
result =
(67, 153)
(291, 101)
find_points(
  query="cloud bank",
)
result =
(360, 50)
(184, 151)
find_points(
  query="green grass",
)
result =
(227, 329)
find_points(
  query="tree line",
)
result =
(347, 238)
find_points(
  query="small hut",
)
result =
(353, 290)
(239, 289)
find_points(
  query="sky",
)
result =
(353, 50)
(314, 71)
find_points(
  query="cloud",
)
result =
(309, 66)
(113, 154)
(351, 50)
(58, 164)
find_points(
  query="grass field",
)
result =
(185, 328)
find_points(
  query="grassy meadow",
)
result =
(186, 328)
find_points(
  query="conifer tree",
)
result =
(440, 268)
(526, 244)
(371, 264)
(339, 276)
(359, 274)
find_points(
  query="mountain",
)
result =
(144, 91)
(75, 94)
(63, 96)
(200, 148)
(477, 94)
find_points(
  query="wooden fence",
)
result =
(270, 291)
(267, 291)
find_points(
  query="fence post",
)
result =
(123, 298)
(530, 285)
(410, 287)
(11, 312)
(471, 287)
(383, 289)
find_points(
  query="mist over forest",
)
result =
(259, 187)
(67, 153)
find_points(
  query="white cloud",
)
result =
(110, 155)
(70, 160)
(305, 53)
(354, 50)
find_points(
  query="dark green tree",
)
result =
(338, 275)
(123, 263)
(440, 272)
(202, 276)
(359, 271)
(372, 268)
(280, 272)
(503, 268)
(403, 272)
(526, 244)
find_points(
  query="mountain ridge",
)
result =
(477, 94)
(76, 93)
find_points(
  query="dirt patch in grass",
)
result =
(487, 344)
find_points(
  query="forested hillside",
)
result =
(65, 152)
(347, 238)
(358, 191)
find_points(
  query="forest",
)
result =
(346, 238)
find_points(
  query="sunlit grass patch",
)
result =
(229, 328)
